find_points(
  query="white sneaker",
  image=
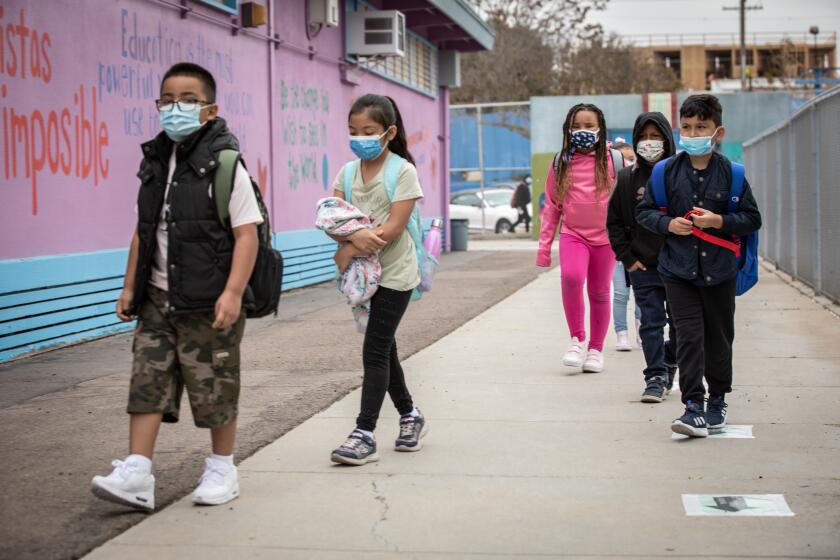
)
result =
(574, 354)
(638, 333)
(594, 362)
(622, 342)
(218, 485)
(128, 484)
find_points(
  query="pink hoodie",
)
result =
(583, 215)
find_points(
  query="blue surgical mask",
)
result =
(180, 124)
(698, 145)
(367, 147)
(584, 139)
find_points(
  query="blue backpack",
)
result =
(426, 262)
(745, 248)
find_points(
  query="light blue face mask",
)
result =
(367, 147)
(698, 145)
(180, 124)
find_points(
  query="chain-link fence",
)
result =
(794, 170)
(490, 153)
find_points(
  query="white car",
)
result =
(498, 215)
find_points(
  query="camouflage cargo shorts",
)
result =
(173, 352)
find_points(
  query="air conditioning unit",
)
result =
(376, 33)
(323, 13)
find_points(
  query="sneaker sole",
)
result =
(355, 462)
(571, 363)
(123, 498)
(717, 429)
(623, 348)
(593, 369)
(217, 501)
(652, 399)
(686, 430)
(418, 447)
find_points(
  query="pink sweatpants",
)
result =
(594, 264)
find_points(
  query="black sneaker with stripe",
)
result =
(716, 413)
(693, 422)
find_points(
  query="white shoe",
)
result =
(574, 354)
(638, 333)
(128, 484)
(218, 485)
(594, 362)
(622, 342)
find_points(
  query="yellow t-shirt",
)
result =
(398, 259)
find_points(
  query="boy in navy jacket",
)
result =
(699, 276)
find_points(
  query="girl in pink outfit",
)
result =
(577, 191)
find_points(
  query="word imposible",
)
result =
(68, 140)
(23, 49)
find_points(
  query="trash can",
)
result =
(460, 232)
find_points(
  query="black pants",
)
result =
(651, 299)
(523, 217)
(383, 372)
(705, 321)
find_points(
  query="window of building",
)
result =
(417, 69)
(719, 63)
(671, 59)
(229, 6)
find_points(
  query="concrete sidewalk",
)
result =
(528, 459)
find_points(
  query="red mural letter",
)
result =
(38, 158)
(46, 42)
(66, 165)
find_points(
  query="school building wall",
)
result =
(78, 79)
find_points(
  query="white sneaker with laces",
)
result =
(622, 342)
(574, 354)
(594, 362)
(128, 484)
(218, 485)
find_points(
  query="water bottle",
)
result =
(431, 243)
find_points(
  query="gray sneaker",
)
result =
(412, 430)
(654, 391)
(357, 450)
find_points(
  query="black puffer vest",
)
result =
(200, 249)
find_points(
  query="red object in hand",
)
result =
(734, 246)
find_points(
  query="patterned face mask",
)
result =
(584, 139)
(651, 150)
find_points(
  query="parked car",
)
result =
(498, 215)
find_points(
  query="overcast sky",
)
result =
(628, 17)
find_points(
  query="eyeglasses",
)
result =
(186, 105)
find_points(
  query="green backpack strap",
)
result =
(391, 176)
(349, 175)
(223, 183)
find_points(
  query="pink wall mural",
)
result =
(77, 89)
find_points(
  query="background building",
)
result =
(78, 80)
(771, 57)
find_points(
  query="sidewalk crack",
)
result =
(379, 496)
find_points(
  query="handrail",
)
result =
(826, 39)
(805, 107)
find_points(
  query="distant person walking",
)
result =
(522, 201)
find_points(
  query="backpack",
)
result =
(745, 248)
(426, 262)
(266, 280)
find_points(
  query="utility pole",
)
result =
(742, 8)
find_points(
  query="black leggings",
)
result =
(383, 373)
